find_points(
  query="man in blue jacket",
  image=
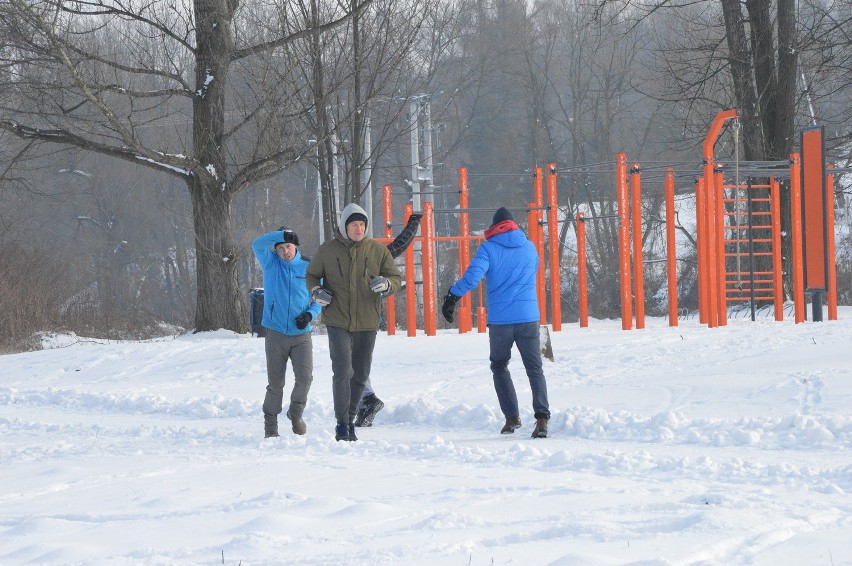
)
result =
(508, 261)
(287, 314)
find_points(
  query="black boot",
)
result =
(367, 413)
(341, 432)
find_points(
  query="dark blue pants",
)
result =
(525, 336)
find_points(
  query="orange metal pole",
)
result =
(721, 271)
(712, 194)
(671, 248)
(796, 237)
(777, 282)
(410, 283)
(701, 244)
(390, 303)
(553, 233)
(466, 303)
(624, 241)
(638, 258)
(710, 278)
(582, 268)
(830, 247)
(538, 241)
(427, 259)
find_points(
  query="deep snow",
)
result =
(682, 445)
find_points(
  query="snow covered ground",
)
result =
(680, 445)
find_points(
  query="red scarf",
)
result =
(505, 226)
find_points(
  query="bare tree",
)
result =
(88, 74)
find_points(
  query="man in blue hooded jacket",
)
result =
(287, 314)
(509, 262)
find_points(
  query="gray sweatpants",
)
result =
(351, 358)
(279, 349)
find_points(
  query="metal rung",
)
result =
(746, 186)
(761, 227)
(751, 254)
(742, 280)
(746, 200)
(749, 273)
(733, 293)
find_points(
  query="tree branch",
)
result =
(301, 34)
(179, 166)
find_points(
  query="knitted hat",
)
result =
(356, 217)
(501, 215)
(290, 237)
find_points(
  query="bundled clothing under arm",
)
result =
(509, 263)
(285, 295)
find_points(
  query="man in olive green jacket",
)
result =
(348, 276)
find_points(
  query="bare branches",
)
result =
(305, 33)
(172, 164)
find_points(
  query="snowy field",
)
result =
(680, 445)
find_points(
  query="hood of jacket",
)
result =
(348, 211)
(511, 239)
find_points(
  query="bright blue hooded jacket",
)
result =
(285, 295)
(508, 261)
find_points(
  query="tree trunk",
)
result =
(784, 131)
(739, 60)
(765, 78)
(219, 302)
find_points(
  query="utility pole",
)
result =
(366, 176)
(420, 124)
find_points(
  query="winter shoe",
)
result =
(299, 426)
(269, 433)
(352, 437)
(540, 430)
(367, 413)
(341, 432)
(512, 423)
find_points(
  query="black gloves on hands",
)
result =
(303, 320)
(379, 284)
(321, 296)
(449, 306)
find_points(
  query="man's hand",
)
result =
(321, 296)
(303, 320)
(449, 306)
(379, 284)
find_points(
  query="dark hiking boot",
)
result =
(268, 433)
(512, 423)
(352, 437)
(367, 413)
(299, 426)
(540, 430)
(341, 432)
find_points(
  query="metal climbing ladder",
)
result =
(752, 230)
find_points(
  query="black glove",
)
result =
(303, 319)
(449, 305)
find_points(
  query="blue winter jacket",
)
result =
(508, 261)
(285, 295)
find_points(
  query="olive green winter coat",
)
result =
(345, 268)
